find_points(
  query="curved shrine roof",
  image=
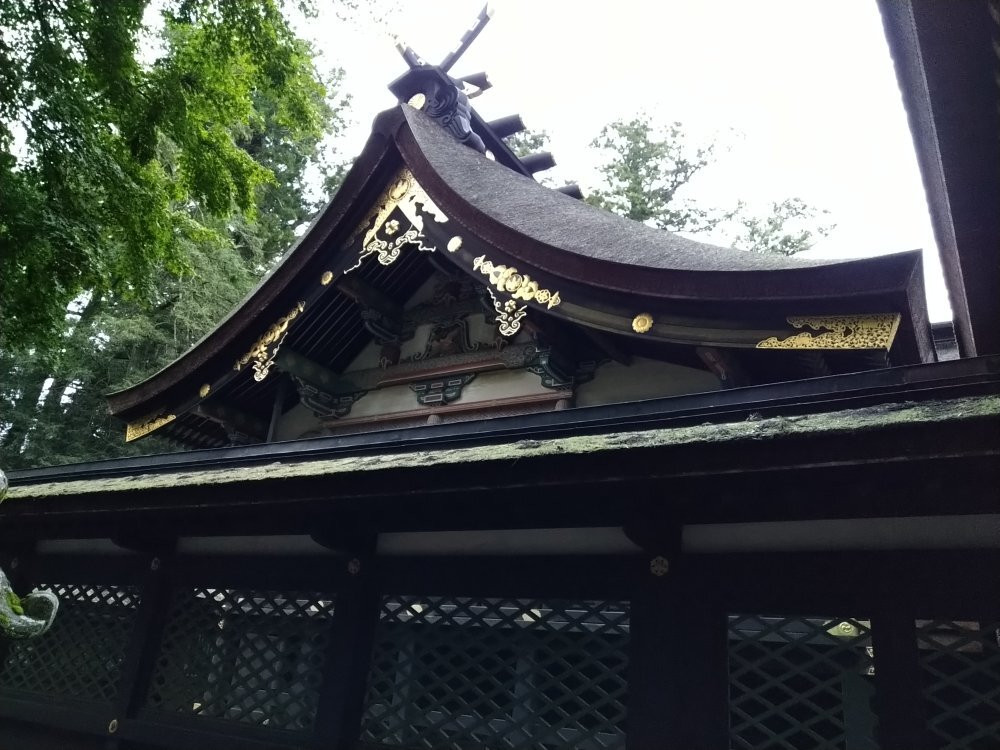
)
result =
(607, 272)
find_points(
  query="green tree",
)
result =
(645, 169)
(228, 205)
(103, 154)
(527, 142)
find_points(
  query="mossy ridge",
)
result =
(768, 428)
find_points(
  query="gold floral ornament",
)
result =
(262, 353)
(839, 332)
(144, 426)
(642, 322)
(519, 286)
(405, 194)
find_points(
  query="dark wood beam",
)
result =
(607, 345)
(232, 419)
(724, 365)
(945, 62)
(365, 294)
(302, 367)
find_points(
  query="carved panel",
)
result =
(323, 404)
(518, 286)
(397, 220)
(146, 425)
(441, 391)
(839, 332)
(265, 348)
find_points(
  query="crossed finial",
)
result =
(414, 60)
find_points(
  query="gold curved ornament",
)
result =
(839, 332)
(642, 322)
(204, 390)
(261, 353)
(141, 428)
(520, 287)
(509, 314)
(326, 278)
(454, 244)
(418, 100)
(405, 194)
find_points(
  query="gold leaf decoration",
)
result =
(261, 353)
(839, 332)
(142, 427)
(519, 286)
(413, 202)
(642, 322)
(509, 314)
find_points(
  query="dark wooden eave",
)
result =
(569, 244)
(947, 65)
(608, 269)
(754, 457)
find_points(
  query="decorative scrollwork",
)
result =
(262, 353)
(520, 287)
(144, 426)
(839, 332)
(517, 285)
(404, 193)
(509, 314)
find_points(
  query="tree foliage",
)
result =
(103, 154)
(645, 169)
(145, 203)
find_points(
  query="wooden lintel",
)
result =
(365, 294)
(724, 365)
(607, 345)
(232, 418)
(302, 367)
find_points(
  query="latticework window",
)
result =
(800, 684)
(960, 666)
(462, 673)
(81, 655)
(243, 655)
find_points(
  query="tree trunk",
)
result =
(49, 407)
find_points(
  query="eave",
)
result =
(682, 285)
(947, 65)
(783, 451)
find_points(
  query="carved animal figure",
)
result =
(26, 617)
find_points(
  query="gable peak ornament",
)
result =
(441, 97)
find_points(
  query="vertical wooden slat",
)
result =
(703, 663)
(341, 699)
(140, 656)
(898, 700)
(653, 719)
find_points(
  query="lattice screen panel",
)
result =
(800, 684)
(81, 655)
(243, 655)
(462, 673)
(960, 666)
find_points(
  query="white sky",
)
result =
(803, 92)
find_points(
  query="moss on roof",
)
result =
(848, 421)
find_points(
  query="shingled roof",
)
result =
(608, 273)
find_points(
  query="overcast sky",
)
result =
(802, 93)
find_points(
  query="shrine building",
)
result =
(479, 465)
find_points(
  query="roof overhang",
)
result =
(947, 65)
(541, 254)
